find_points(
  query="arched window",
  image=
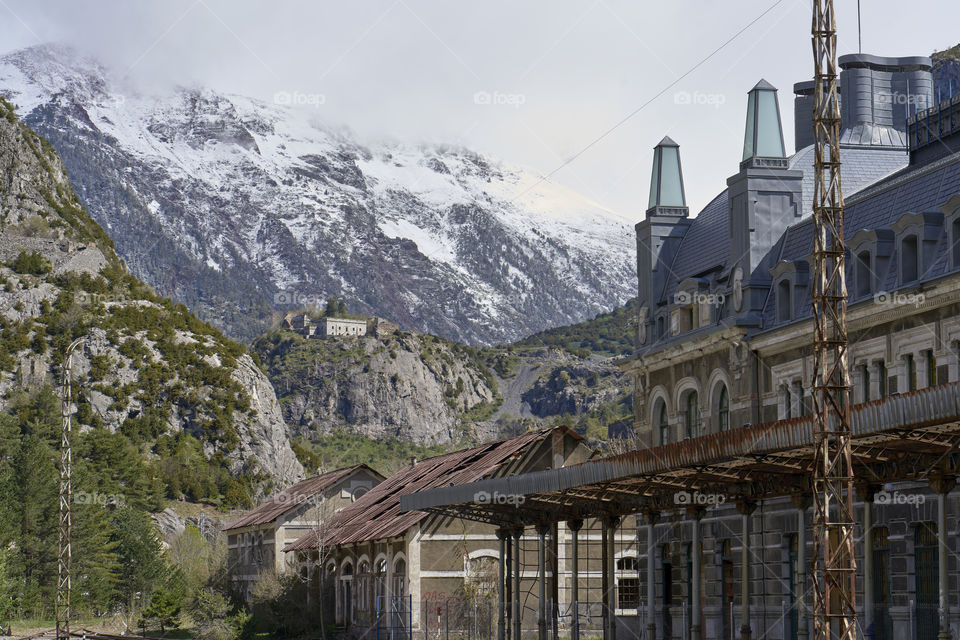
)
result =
(482, 576)
(864, 279)
(909, 267)
(363, 586)
(345, 596)
(660, 327)
(723, 409)
(662, 423)
(379, 582)
(787, 403)
(400, 578)
(691, 415)
(784, 303)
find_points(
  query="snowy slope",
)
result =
(237, 207)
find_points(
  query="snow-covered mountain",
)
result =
(238, 208)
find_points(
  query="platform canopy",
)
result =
(909, 437)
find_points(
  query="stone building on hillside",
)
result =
(332, 326)
(327, 327)
(381, 328)
(256, 539)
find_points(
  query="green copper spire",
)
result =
(666, 181)
(764, 133)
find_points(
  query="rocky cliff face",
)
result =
(414, 388)
(236, 208)
(427, 390)
(574, 388)
(147, 368)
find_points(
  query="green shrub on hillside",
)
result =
(31, 263)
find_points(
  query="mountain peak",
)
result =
(234, 206)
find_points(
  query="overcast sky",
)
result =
(533, 83)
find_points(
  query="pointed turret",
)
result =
(666, 180)
(764, 133)
(765, 197)
(660, 233)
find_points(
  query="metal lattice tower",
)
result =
(834, 606)
(64, 557)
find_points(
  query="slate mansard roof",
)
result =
(914, 189)
(705, 245)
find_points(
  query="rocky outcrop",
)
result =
(265, 437)
(574, 389)
(408, 387)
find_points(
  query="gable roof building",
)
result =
(255, 539)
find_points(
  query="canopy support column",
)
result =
(575, 526)
(745, 507)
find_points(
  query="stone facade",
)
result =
(725, 339)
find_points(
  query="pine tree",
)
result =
(164, 607)
(139, 553)
(36, 544)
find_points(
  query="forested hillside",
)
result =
(164, 407)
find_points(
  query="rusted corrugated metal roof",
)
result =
(377, 515)
(294, 496)
(744, 447)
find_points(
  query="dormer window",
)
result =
(917, 237)
(784, 301)
(791, 278)
(872, 249)
(693, 304)
(864, 275)
(909, 267)
(951, 212)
